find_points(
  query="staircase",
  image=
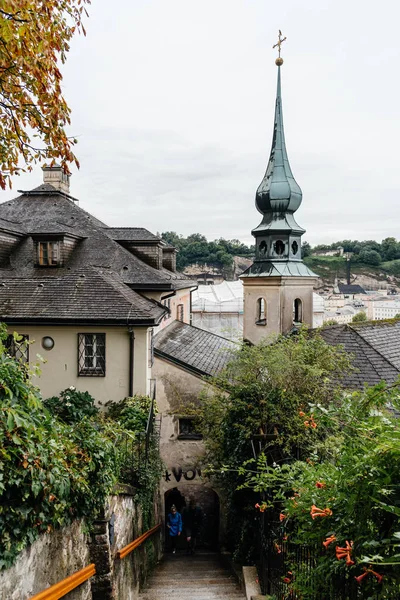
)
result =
(198, 577)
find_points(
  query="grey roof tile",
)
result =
(372, 360)
(345, 288)
(84, 295)
(45, 210)
(135, 234)
(193, 348)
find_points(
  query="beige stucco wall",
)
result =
(180, 297)
(183, 458)
(176, 388)
(60, 369)
(279, 294)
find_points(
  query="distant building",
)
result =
(385, 309)
(219, 309)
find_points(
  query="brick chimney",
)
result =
(56, 177)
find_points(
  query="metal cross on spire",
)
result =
(279, 60)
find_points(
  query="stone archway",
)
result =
(208, 501)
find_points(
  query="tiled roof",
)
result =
(278, 269)
(383, 337)
(45, 210)
(194, 349)
(85, 295)
(135, 234)
(373, 362)
(345, 288)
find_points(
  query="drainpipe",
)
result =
(190, 304)
(131, 359)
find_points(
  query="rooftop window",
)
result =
(48, 254)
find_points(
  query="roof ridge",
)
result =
(373, 348)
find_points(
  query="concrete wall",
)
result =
(279, 294)
(183, 474)
(60, 369)
(57, 555)
(52, 557)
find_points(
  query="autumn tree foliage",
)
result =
(34, 40)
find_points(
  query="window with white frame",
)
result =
(91, 354)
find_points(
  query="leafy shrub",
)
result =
(131, 413)
(71, 405)
(352, 494)
(51, 472)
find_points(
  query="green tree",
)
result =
(370, 257)
(306, 249)
(261, 393)
(359, 317)
(330, 322)
(35, 38)
(390, 248)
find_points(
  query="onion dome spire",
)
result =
(278, 192)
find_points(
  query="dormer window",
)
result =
(48, 254)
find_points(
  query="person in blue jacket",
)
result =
(174, 524)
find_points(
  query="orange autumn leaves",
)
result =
(33, 112)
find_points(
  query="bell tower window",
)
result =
(261, 312)
(295, 247)
(297, 311)
(48, 254)
(279, 247)
(262, 248)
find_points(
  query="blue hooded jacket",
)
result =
(175, 523)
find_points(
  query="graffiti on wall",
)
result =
(178, 473)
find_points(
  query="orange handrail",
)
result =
(127, 549)
(62, 588)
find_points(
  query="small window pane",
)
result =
(187, 430)
(48, 254)
(18, 349)
(91, 354)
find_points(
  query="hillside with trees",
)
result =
(371, 259)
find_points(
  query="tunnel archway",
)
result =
(208, 501)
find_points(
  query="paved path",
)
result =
(198, 577)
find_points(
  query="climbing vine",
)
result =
(59, 458)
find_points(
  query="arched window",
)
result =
(279, 247)
(262, 248)
(261, 318)
(297, 311)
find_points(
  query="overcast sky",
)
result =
(173, 104)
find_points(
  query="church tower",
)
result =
(278, 286)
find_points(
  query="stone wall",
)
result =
(61, 553)
(52, 557)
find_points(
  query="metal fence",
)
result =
(281, 564)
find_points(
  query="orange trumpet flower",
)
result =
(329, 540)
(278, 548)
(320, 484)
(320, 512)
(282, 517)
(366, 573)
(345, 553)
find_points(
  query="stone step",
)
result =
(198, 577)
